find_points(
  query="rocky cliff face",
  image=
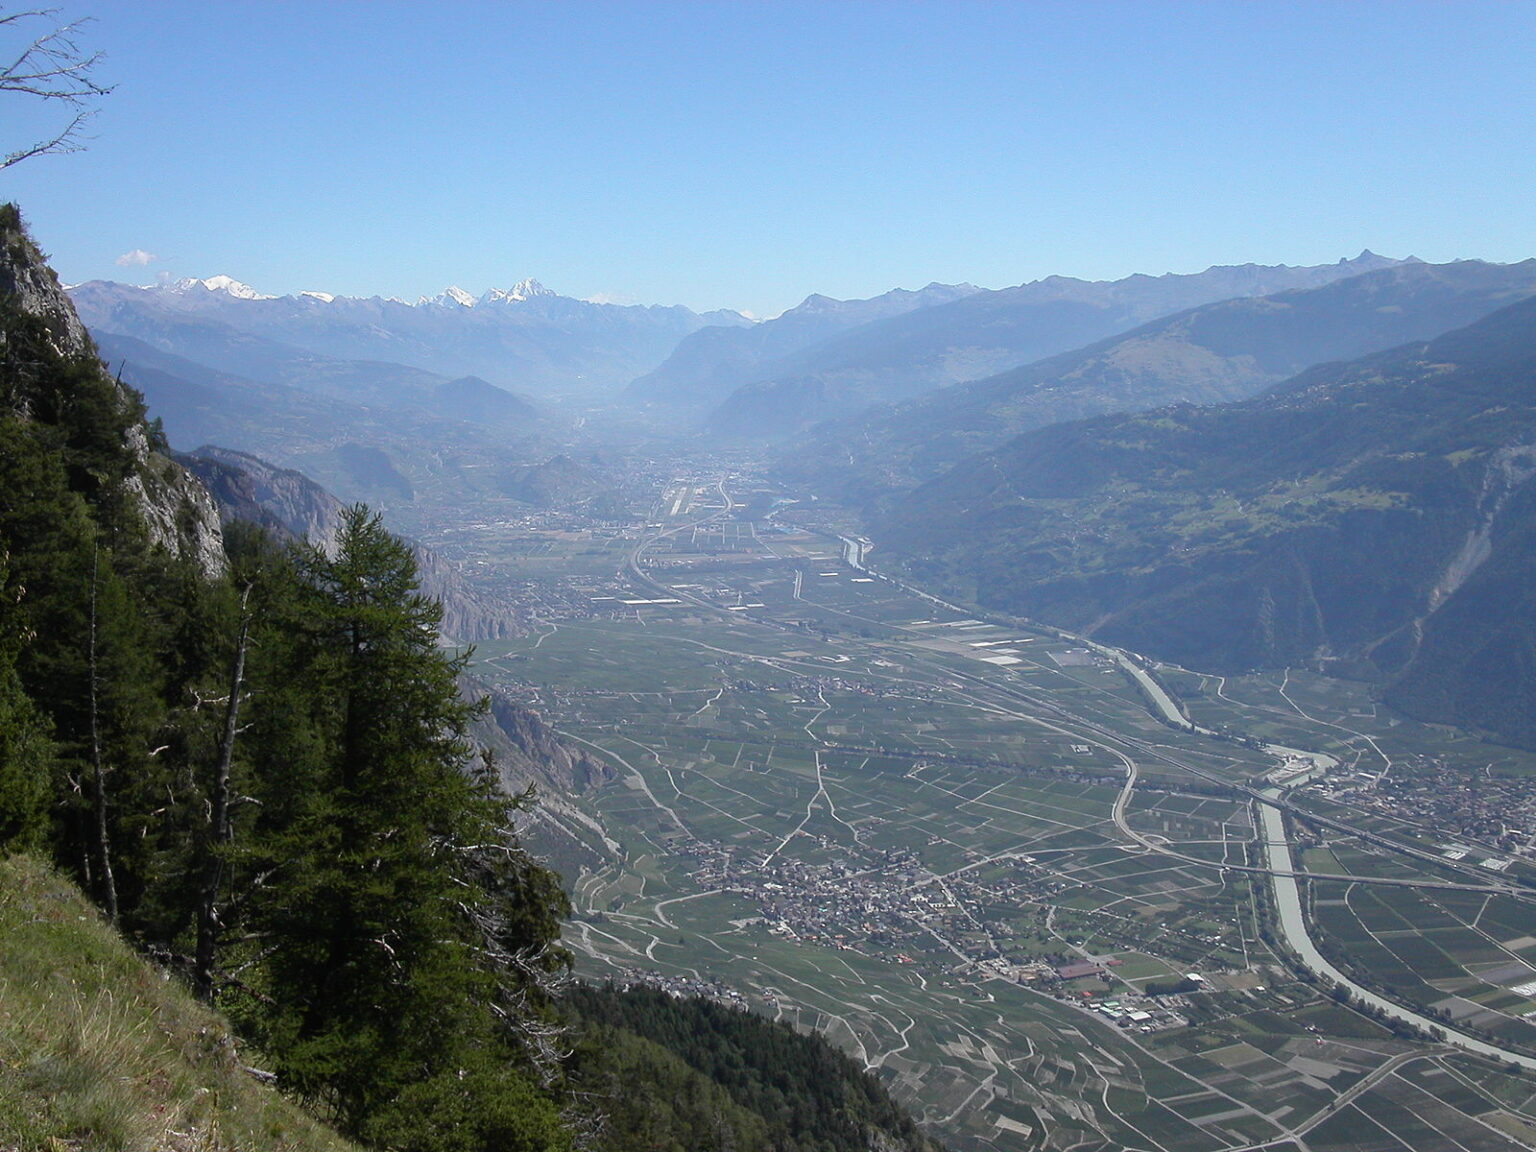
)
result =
(469, 613)
(177, 512)
(293, 507)
(286, 502)
(531, 752)
(29, 285)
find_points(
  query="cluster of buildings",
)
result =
(1496, 813)
(894, 904)
(1143, 1013)
(680, 985)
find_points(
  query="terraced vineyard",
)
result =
(968, 851)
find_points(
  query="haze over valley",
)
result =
(931, 670)
(985, 600)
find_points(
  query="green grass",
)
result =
(98, 1050)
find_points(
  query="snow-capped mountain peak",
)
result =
(522, 290)
(226, 284)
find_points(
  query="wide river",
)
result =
(1293, 926)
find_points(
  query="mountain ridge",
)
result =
(895, 358)
(1223, 351)
(706, 365)
(1347, 519)
(524, 338)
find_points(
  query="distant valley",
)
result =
(1167, 532)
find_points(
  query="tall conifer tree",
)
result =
(387, 856)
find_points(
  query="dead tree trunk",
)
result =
(98, 768)
(220, 832)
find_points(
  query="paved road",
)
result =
(1294, 928)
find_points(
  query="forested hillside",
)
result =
(781, 1090)
(258, 772)
(99, 1050)
(255, 758)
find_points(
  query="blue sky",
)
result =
(741, 154)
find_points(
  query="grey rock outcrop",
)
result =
(176, 510)
(284, 501)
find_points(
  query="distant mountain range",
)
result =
(1377, 516)
(816, 362)
(526, 338)
(707, 366)
(1228, 350)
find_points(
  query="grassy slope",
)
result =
(98, 1050)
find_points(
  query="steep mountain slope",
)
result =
(804, 1095)
(443, 435)
(706, 366)
(527, 338)
(98, 1050)
(1375, 516)
(1475, 664)
(1225, 351)
(282, 501)
(54, 392)
(983, 334)
(292, 507)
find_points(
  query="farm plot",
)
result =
(1446, 951)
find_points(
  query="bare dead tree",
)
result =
(54, 68)
(220, 832)
(99, 769)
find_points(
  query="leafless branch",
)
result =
(52, 67)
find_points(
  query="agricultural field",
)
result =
(966, 849)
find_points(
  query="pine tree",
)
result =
(393, 896)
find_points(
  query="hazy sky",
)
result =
(745, 154)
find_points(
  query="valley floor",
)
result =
(985, 859)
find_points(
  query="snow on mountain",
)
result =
(193, 289)
(519, 292)
(225, 284)
(229, 286)
(522, 290)
(524, 337)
